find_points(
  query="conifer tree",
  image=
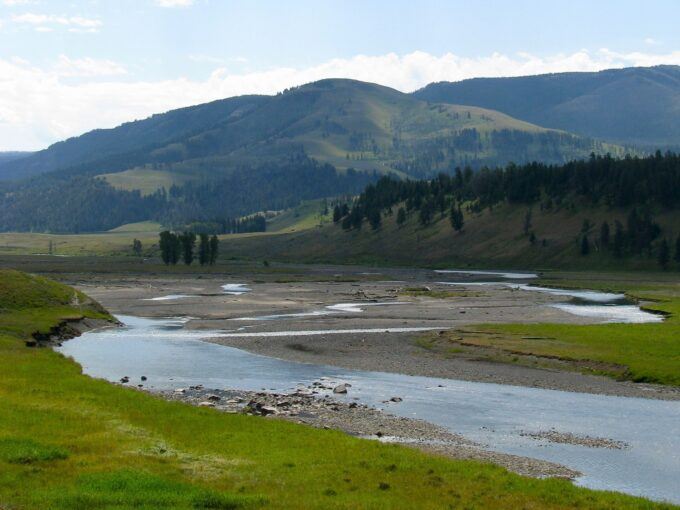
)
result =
(456, 217)
(527, 222)
(375, 219)
(165, 244)
(604, 234)
(204, 250)
(585, 245)
(214, 249)
(401, 216)
(188, 241)
(337, 214)
(137, 247)
(619, 240)
(663, 256)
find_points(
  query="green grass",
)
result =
(141, 226)
(28, 451)
(638, 352)
(146, 180)
(68, 441)
(490, 239)
(118, 241)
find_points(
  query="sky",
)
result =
(69, 66)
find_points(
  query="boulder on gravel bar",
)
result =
(340, 388)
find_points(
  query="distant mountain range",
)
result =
(12, 155)
(636, 106)
(342, 122)
(337, 135)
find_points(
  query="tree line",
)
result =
(182, 246)
(84, 203)
(644, 185)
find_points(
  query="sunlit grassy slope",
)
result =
(491, 238)
(146, 180)
(118, 241)
(302, 234)
(68, 441)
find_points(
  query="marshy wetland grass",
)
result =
(69, 441)
(637, 352)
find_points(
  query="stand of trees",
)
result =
(254, 223)
(84, 203)
(176, 246)
(642, 185)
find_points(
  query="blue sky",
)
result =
(70, 66)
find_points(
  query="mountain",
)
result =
(242, 155)
(637, 105)
(8, 156)
(143, 135)
(342, 122)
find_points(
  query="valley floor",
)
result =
(444, 337)
(70, 441)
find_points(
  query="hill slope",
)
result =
(493, 239)
(141, 135)
(597, 213)
(634, 106)
(242, 155)
(343, 122)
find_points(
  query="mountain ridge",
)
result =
(347, 123)
(635, 105)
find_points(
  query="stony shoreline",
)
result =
(311, 407)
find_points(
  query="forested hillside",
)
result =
(252, 153)
(603, 212)
(6, 157)
(637, 106)
(111, 147)
(86, 204)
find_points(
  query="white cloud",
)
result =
(174, 3)
(13, 3)
(41, 22)
(87, 67)
(39, 106)
(652, 42)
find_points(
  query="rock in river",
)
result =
(340, 388)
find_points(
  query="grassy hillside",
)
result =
(235, 157)
(368, 127)
(343, 122)
(68, 441)
(129, 139)
(631, 106)
(146, 180)
(118, 241)
(489, 239)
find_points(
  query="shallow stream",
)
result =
(498, 416)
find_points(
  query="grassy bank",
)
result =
(638, 352)
(68, 441)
